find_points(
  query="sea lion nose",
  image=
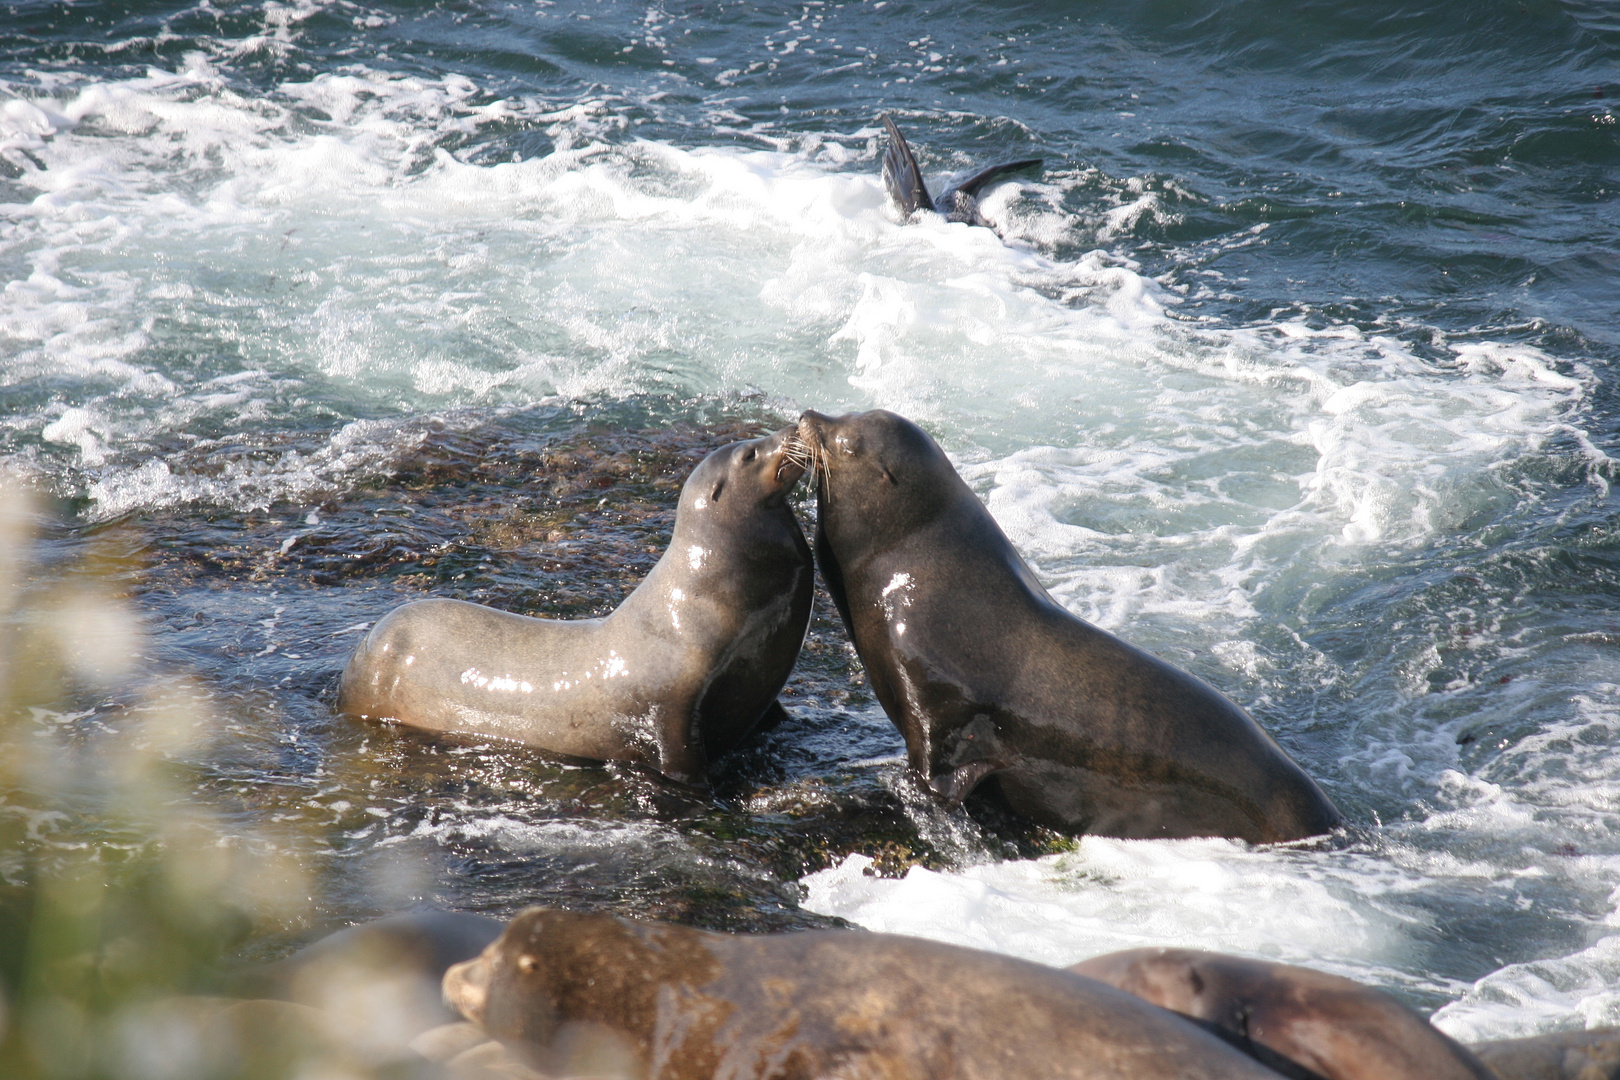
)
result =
(790, 454)
(466, 988)
(811, 424)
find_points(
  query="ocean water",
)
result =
(1293, 364)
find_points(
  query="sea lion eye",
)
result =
(527, 964)
(751, 455)
(714, 496)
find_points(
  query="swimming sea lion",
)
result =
(986, 675)
(1593, 1054)
(960, 199)
(683, 670)
(594, 994)
(1336, 1028)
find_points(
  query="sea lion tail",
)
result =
(901, 175)
(984, 177)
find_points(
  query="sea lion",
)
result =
(683, 670)
(367, 994)
(1336, 1028)
(986, 675)
(1593, 1054)
(421, 944)
(960, 199)
(595, 994)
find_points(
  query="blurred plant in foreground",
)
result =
(119, 892)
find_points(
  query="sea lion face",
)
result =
(737, 480)
(575, 994)
(879, 478)
(486, 988)
(1320, 1025)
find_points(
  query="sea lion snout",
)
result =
(810, 430)
(826, 434)
(786, 458)
(466, 987)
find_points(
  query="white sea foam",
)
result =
(1364, 915)
(522, 837)
(1569, 993)
(1341, 912)
(362, 257)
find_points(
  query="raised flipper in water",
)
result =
(958, 202)
(901, 175)
(987, 176)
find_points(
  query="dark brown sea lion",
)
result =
(1336, 1028)
(593, 994)
(1593, 1054)
(960, 199)
(682, 671)
(986, 675)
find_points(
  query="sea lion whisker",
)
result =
(795, 452)
(816, 460)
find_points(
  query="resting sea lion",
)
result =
(593, 994)
(986, 675)
(683, 670)
(362, 993)
(419, 943)
(1336, 1028)
(960, 199)
(1593, 1054)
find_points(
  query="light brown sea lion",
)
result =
(1337, 1028)
(1593, 1054)
(593, 994)
(683, 670)
(987, 676)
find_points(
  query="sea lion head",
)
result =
(576, 994)
(879, 477)
(738, 479)
(734, 518)
(1317, 1024)
(489, 988)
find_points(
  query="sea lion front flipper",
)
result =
(974, 183)
(956, 785)
(773, 715)
(901, 175)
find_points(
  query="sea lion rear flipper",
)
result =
(984, 177)
(901, 175)
(774, 714)
(956, 785)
